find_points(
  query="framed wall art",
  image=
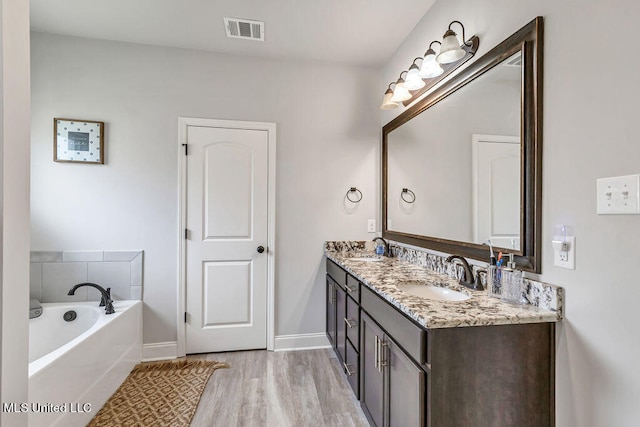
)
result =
(78, 141)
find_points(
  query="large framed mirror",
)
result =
(463, 165)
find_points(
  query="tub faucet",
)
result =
(385, 244)
(35, 309)
(467, 279)
(105, 300)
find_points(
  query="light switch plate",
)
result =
(371, 226)
(619, 195)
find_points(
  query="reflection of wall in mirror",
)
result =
(431, 155)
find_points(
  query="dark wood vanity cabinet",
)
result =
(343, 318)
(336, 312)
(407, 375)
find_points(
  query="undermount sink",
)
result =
(366, 259)
(432, 292)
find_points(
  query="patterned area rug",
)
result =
(157, 394)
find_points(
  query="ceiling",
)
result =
(357, 32)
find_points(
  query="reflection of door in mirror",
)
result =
(496, 190)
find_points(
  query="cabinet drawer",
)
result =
(351, 367)
(353, 287)
(337, 273)
(352, 321)
(410, 336)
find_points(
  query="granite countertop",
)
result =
(478, 310)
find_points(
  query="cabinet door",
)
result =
(406, 387)
(371, 375)
(341, 327)
(331, 311)
(352, 368)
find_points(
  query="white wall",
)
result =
(14, 206)
(590, 131)
(327, 141)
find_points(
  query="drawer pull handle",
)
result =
(348, 371)
(350, 323)
(382, 360)
(376, 352)
(350, 289)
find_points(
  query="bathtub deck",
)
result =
(298, 388)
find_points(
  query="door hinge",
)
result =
(185, 317)
(186, 149)
(186, 233)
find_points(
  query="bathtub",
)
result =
(75, 366)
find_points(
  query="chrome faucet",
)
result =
(105, 300)
(35, 309)
(386, 246)
(467, 279)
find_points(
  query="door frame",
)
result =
(183, 124)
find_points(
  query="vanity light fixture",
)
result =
(414, 80)
(387, 103)
(430, 67)
(400, 92)
(450, 50)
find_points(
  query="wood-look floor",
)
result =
(260, 388)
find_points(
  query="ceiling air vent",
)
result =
(244, 29)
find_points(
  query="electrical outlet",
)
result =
(564, 253)
(371, 226)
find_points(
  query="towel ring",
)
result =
(358, 195)
(411, 197)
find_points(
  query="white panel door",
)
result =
(226, 269)
(497, 190)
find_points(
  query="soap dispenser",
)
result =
(511, 282)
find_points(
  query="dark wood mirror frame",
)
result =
(529, 41)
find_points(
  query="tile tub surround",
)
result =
(479, 310)
(54, 273)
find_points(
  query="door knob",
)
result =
(260, 249)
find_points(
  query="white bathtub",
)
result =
(75, 366)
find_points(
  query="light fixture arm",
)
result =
(400, 79)
(430, 50)
(464, 38)
(389, 90)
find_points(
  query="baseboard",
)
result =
(159, 351)
(301, 342)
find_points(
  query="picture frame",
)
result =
(78, 141)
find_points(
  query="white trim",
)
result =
(301, 342)
(159, 351)
(183, 124)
